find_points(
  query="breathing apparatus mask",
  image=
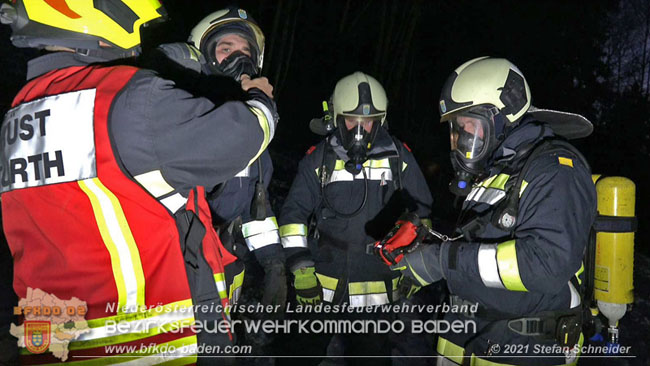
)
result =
(237, 63)
(357, 134)
(474, 134)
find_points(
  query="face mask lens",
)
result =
(467, 135)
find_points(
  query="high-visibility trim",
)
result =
(182, 351)
(369, 300)
(427, 223)
(368, 287)
(262, 240)
(454, 353)
(404, 165)
(145, 324)
(487, 266)
(327, 281)
(295, 241)
(565, 161)
(328, 295)
(582, 269)
(450, 350)
(500, 182)
(293, 229)
(154, 183)
(174, 202)
(245, 173)
(491, 196)
(220, 281)
(508, 268)
(267, 123)
(235, 287)
(382, 174)
(524, 184)
(575, 296)
(118, 239)
(259, 226)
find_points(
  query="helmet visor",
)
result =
(468, 134)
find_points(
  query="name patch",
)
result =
(47, 141)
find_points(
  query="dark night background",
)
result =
(587, 57)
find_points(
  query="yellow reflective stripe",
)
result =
(565, 161)
(220, 280)
(487, 181)
(582, 269)
(524, 184)
(293, 229)
(426, 222)
(327, 282)
(499, 182)
(395, 282)
(237, 282)
(161, 317)
(179, 352)
(381, 163)
(154, 183)
(404, 165)
(450, 350)
(118, 239)
(508, 268)
(155, 311)
(259, 226)
(455, 354)
(264, 124)
(368, 287)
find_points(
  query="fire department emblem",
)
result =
(37, 335)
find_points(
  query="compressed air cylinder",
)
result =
(613, 288)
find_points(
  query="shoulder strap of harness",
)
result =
(504, 215)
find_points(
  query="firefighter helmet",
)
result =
(486, 81)
(82, 24)
(210, 29)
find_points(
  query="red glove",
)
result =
(403, 238)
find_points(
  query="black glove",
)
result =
(275, 283)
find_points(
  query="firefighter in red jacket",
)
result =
(104, 172)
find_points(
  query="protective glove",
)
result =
(275, 283)
(407, 287)
(405, 237)
(308, 288)
(422, 266)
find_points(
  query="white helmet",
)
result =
(210, 29)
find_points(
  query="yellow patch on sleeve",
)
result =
(565, 161)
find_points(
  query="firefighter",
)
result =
(530, 203)
(112, 208)
(233, 46)
(347, 188)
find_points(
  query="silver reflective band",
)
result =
(294, 241)
(171, 353)
(267, 113)
(491, 196)
(368, 300)
(328, 295)
(259, 226)
(154, 322)
(49, 140)
(487, 266)
(154, 183)
(261, 240)
(174, 202)
(575, 296)
(244, 173)
(382, 174)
